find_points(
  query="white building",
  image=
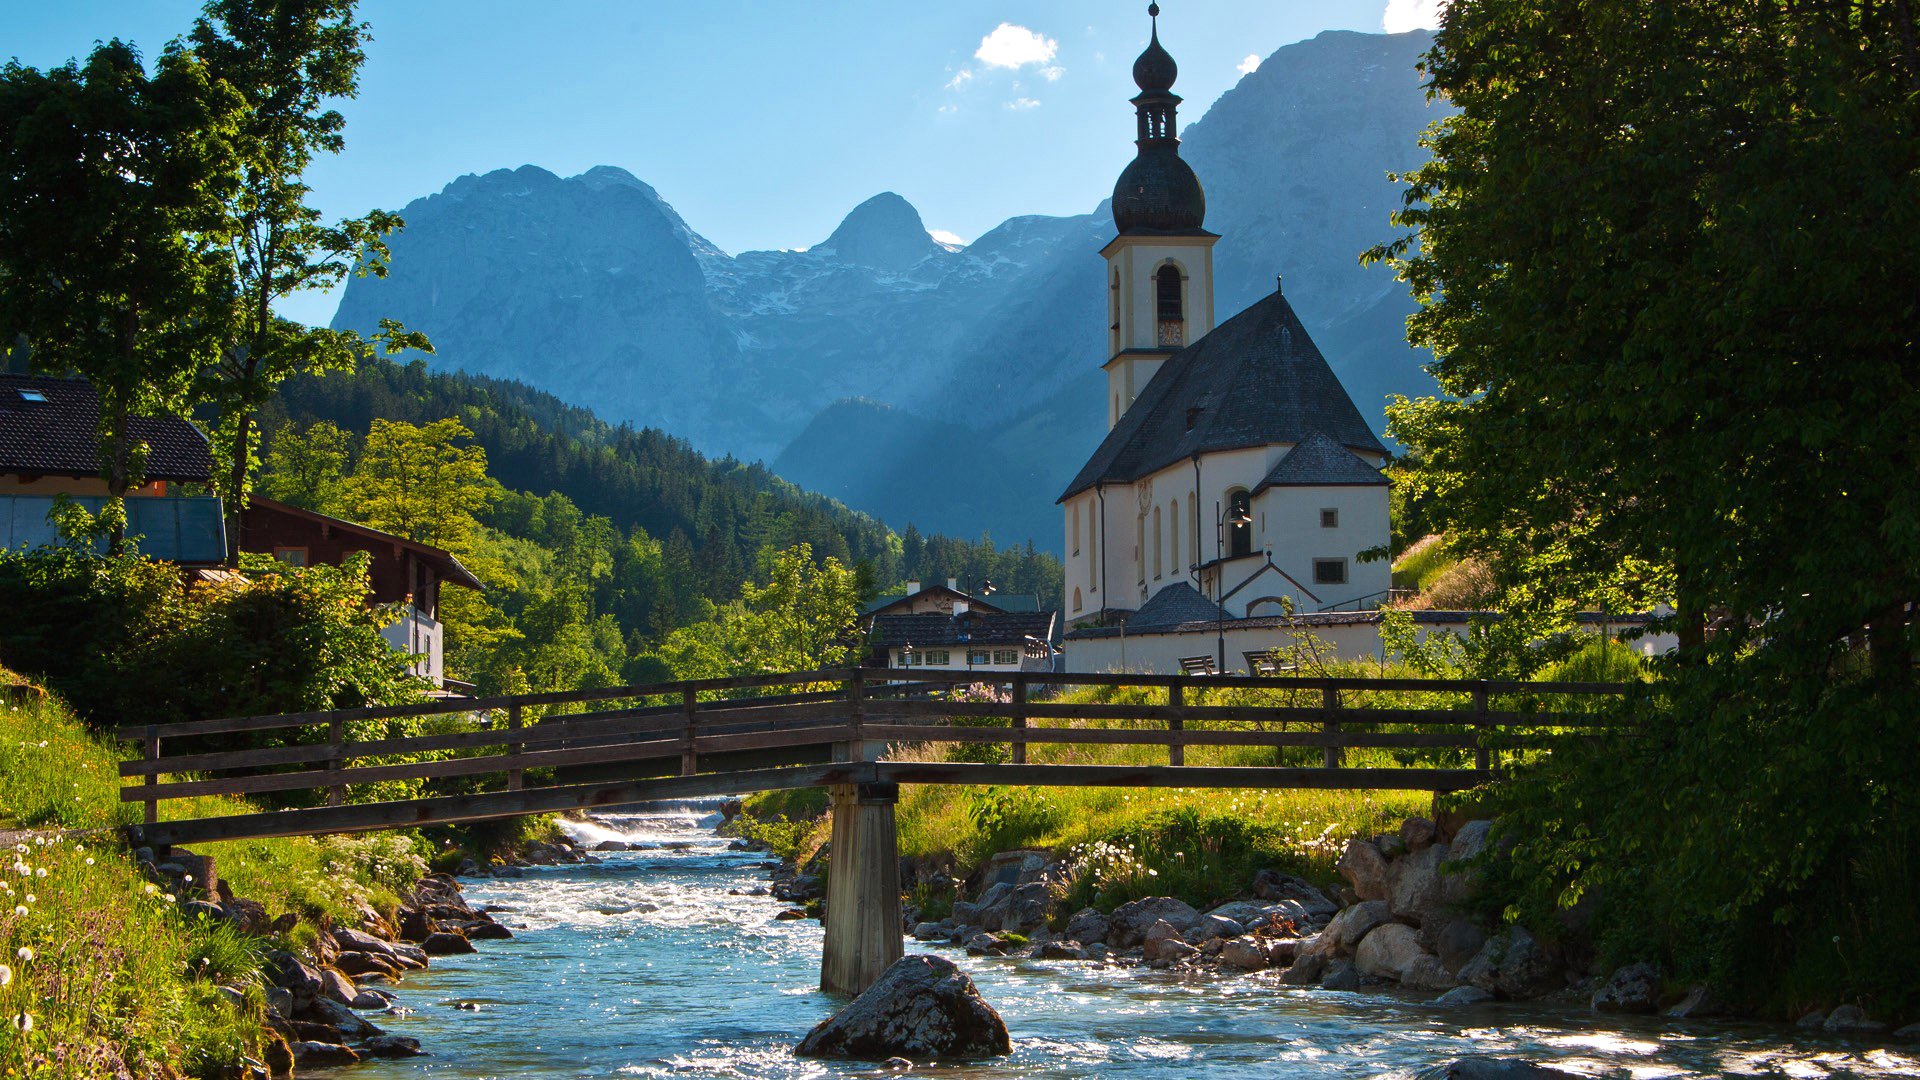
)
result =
(1235, 470)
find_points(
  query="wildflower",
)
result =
(25, 954)
(40, 873)
(89, 860)
(21, 911)
(168, 897)
(6, 976)
(151, 889)
(24, 1022)
(32, 899)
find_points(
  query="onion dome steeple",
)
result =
(1158, 191)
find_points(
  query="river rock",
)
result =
(1212, 927)
(338, 987)
(1492, 1068)
(351, 940)
(1454, 941)
(485, 930)
(1243, 954)
(368, 1001)
(1088, 925)
(336, 1014)
(1343, 976)
(357, 964)
(1457, 883)
(930, 931)
(1910, 1033)
(1240, 911)
(1026, 909)
(1307, 969)
(613, 845)
(1413, 883)
(1463, 995)
(986, 944)
(1131, 921)
(921, 1007)
(1699, 1003)
(1365, 868)
(1163, 942)
(391, 1046)
(321, 1054)
(1060, 949)
(1512, 965)
(1350, 927)
(1393, 952)
(1851, 1020)
(1275, 886)
(292, 974)
(1812, 1020)
(1634, 988)
(444, 943)
(1418, 832)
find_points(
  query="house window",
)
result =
(1329, 571)
(33, 396)
(1329, 518)
(979, 656)
(1239, 534)
(938, 657)
(292, 556)
(1006, 656)
(1173, 323)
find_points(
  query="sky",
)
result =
(762, 122)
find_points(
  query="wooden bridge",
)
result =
(859, 733)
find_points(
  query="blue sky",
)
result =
(763, 123)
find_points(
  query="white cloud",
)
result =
(1011, 46)
(946, 236)
(960, 79)
(949, 108)
(1404, 15)
(1250, 65)
(1053, 73)
(1022, 104)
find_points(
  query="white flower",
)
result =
(21, 911)
(6, 975)
(89, 860)
(24, 953)
(24, 1021)
(151, 889)
(32, 899)
(168, 897)
(40, 873)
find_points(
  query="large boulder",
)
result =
(1275, 886)
(1456, 882)
(1365, 868)
(1492, 1068)
(921, 1007)
(1243, 954)
(1513, 965)
(1455, 941)
(1088, 925)
(1131, 921)
(1026, 909)
(1414, 885)
(1350, 927)
(1393, 952)
(1163, 942)
(1632, 989)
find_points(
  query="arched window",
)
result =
(1239, 523)
(1173, 319)
(1073, 512)
(1173, 537)
(1156, 543)
(1076, 598)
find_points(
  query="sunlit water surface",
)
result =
(658, 963)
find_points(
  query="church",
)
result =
(1237, 484)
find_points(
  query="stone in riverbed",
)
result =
(1700, 1002)
(1273, 885)
(368, 1001)
(1243, 954)
(1350, 927)
(391, 1046)
(351, 940)
(1365, 868)
(1851, 1020)
(612, 845)
(1414, 883)
(360, 964)
(1343, 976)
(1163, 942)
(1131, 921)
(1634, 988)
(486, 930)
(1305, 970)
(338, 987)
(443, 943)
(921, 1007)
(1088, 925)
(1513, 965)
(1463, 995)
(318, 1054)
(1492, 1068)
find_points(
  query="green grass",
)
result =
(115, 968)
(1422, 564)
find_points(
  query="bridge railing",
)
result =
(852, 715)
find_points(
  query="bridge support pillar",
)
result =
(863, 888)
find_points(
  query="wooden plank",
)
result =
(768, 740)
(153, 777)
(1019, 753)
(689, 758)
(1332, 758)
(1160, 737)
(515, 749)
(1176, 720)
(336, 764)
(1185, 776)
(1047, 710)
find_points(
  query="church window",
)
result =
(1329, 571)
(1076, 598)
(1140, 547)
(1173, 537)
(1330, 517)
(1156, 543)
(1074, 513)
(1240, 531)
(1173, 323)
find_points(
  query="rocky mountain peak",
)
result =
(884, 232)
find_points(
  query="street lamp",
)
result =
(1237, 516)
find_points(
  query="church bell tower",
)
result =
(1160, 265)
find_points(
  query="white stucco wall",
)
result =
(1287, 524)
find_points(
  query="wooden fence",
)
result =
(806, 728)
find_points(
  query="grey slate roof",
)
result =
(58, 436)
(1318, 461)
(1256, 380)
(935, 630)
(1172, 606)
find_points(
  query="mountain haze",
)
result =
(952, 387)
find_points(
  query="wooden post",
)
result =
(1176, 723)
(1482, 757)
(689, 762)
(863, 936)
(153, 776)
(1330, 701)
(514, 776)
(857, 714)
(1020, 717)
(336, 735)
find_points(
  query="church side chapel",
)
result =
(1237, 481)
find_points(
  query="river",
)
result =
(661, 963)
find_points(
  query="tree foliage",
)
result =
(1663, 264)
(802, 618)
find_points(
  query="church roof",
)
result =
(1175, 605)
(1256, 380)
(1318, 461)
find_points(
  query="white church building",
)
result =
(1237, 482)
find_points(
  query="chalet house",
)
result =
(49, 447)
(403, 572)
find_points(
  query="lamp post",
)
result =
(966, 624)
(1235, 516)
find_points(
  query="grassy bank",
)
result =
(105, 965)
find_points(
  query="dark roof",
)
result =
(1255, 380)
(1154, 69)
(1175, 605)
(443, 562)
(934, 630)
(59, 436)
(882, 603)
(1318, 461)
(1158, 192)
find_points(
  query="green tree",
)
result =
(288, 59)
(113, 223)
(306, 468)
(1663, 263)
(421, 482)
(802, 618)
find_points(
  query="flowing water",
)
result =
(661, 963)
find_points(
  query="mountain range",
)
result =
(952, 387)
